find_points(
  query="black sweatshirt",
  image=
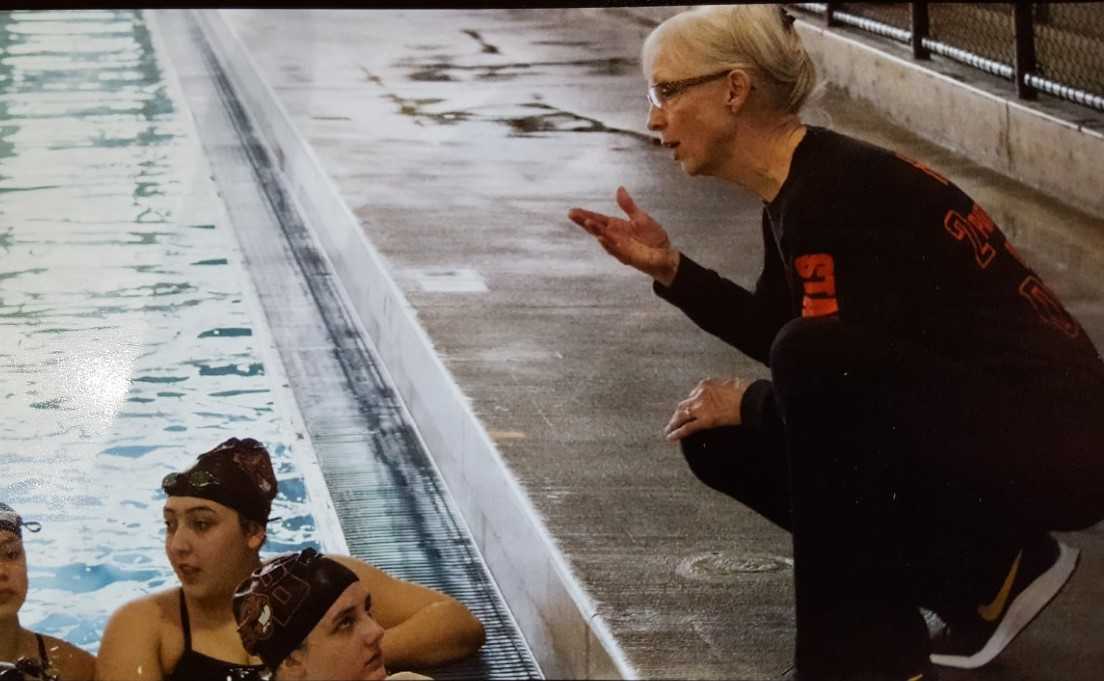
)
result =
(879, 240)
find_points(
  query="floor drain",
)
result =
(722, 566)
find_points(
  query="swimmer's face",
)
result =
(13, 574)
(207, 547)
(345, 644)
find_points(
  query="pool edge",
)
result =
(530, 570)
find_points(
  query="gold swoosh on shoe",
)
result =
(993, 610)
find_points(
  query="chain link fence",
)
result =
(1052, 47)
(1069, 43)
(985, 30)
(896, 14)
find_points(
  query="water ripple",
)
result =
(128, 344)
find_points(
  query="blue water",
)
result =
(130, 339)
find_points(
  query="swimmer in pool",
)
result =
(43, 656)
(309, 617)
(215, 517)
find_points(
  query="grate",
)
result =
(387, 493)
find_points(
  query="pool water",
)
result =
(131, 338)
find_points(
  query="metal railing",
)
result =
(1054, 48)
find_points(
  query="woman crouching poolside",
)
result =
(933, 410)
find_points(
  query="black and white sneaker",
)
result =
(973, 639)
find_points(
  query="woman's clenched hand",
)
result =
(712, 403)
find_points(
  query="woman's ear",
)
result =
(255, 535)
(739, 88)
(294, 666)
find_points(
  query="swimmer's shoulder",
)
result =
(159, 608)
(147, 629)
(71, 662)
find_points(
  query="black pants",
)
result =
(905, 479)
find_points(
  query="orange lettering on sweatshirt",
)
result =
(818, 279)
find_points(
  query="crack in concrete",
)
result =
(552, 120)
(487, 47)
(437, 71)
(412, 107)
(609, 62)
(540, 123)
(563, 43)
(371, 77)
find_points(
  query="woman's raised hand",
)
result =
(638, 242)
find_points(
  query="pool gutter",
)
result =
(529, 568)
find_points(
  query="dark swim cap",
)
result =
(279, 605)
(10, 521)
(237, 474)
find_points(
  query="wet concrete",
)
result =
(457, 158)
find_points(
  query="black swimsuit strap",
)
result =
(42, 652)
(185, 624)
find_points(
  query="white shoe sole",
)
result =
(1023, 609)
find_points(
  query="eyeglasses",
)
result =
(661, 93)
(197, 479)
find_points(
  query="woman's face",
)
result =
(345, 644)
(695, 123)
(13, 574)
(207, 547)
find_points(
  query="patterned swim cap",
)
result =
(237, 474)
(279, 605)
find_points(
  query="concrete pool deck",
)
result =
(539, 371)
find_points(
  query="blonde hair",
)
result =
(759, 38)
